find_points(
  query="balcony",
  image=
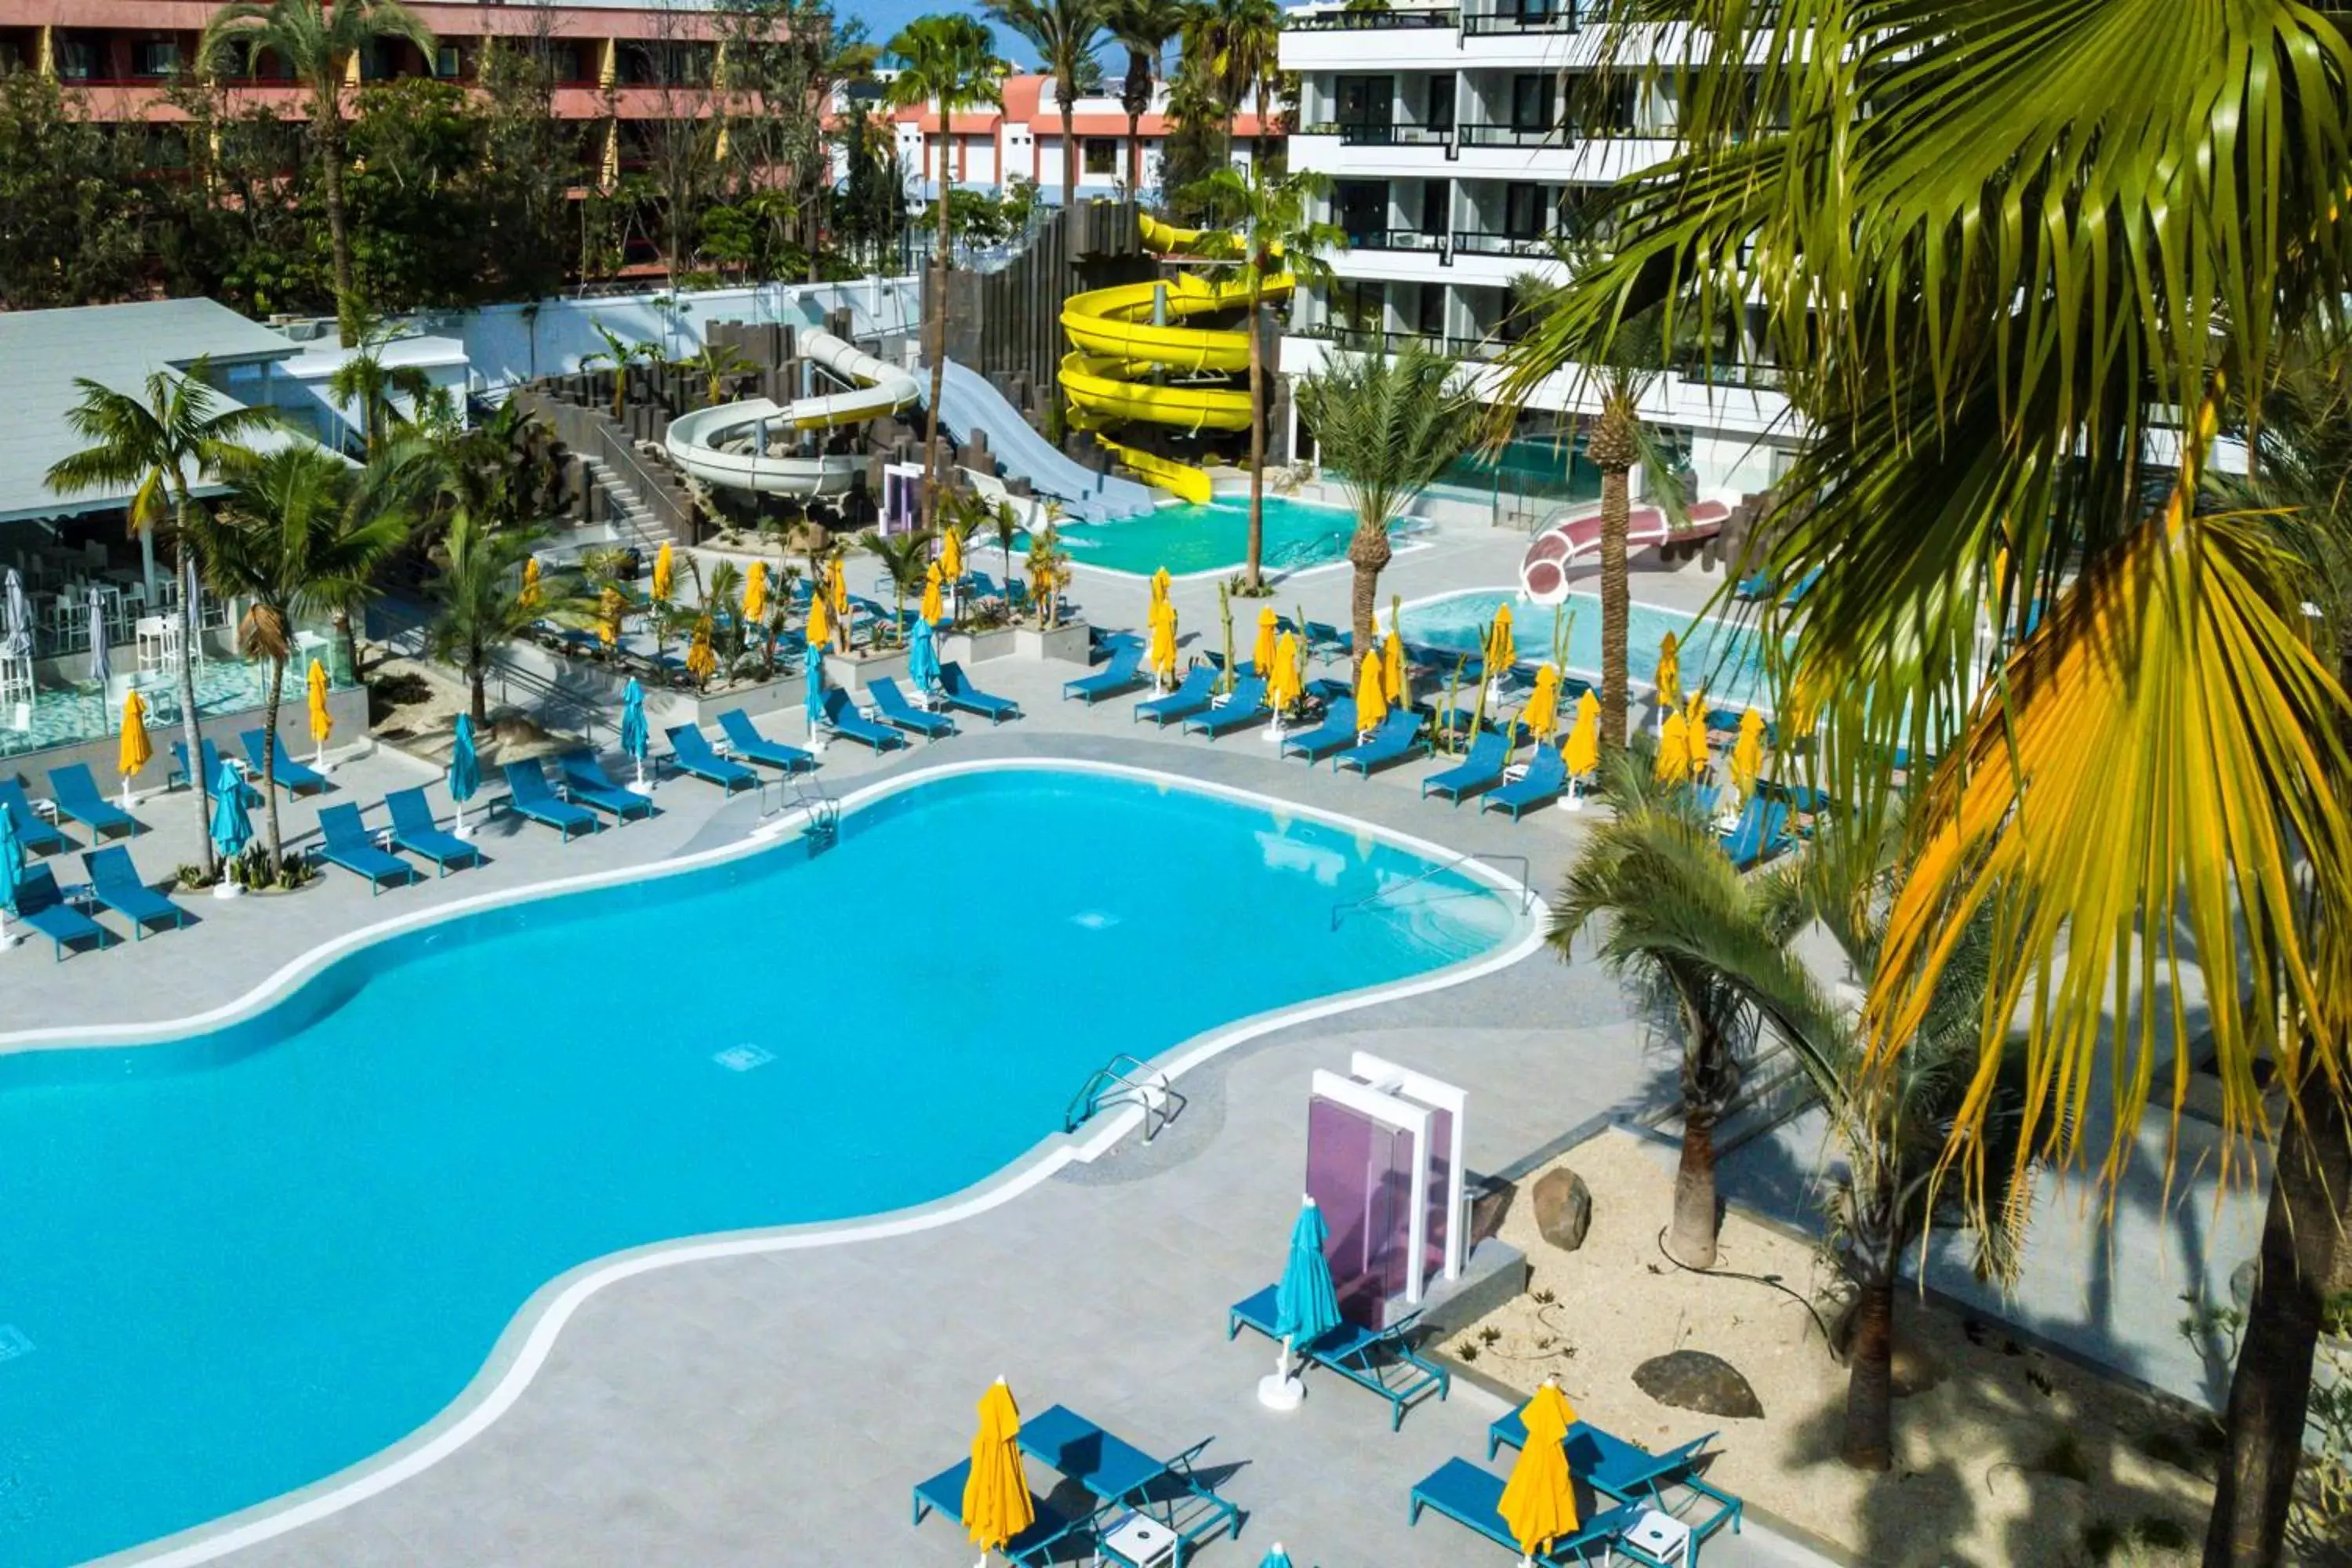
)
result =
(1479, 242)
(1368, 21)
(1367, 340)
(1520, 136)
(1382, 135)
(1410, 239)
(1559, 17)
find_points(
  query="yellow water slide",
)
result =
(1125, 368)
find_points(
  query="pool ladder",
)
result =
(1374, 900)
(1124, 1081)
(823, 829)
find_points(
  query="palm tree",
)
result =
(905, 557)
(1064, 33)
(160, 451)
(1049, 573)
(1239, 45)
(620, 352)
(316, 44)
(477, 583)
(365, 382)
(1389, 426)
(1276, 239)
(1005, 527)
(715, 364)
(289, 539)
(1979, 415)
(1144, 29)
(950, 63)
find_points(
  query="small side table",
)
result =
(1663, 1536)
(1135, 1541)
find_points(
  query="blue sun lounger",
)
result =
(115, 882)
(1761, 832)
(1481, 770)
(584, 780)
(1381, 1360)
(1632, 1475)
(1336, 733)
(1322, 636)
(77, 796)
(1191, 695)
(693, 752)
(753, 747)
(1473, 1499)
(529, 796)
(42, 907)
(37, 833)
(1545, 781)
(1119, 1477)
(414, 830)
(1048, 1534)
(1123, 673)
(1398, 737)
(960, 694)
(179, 773)
(1243, 708)
(895, 707)
(293, 777)
(842, 717)
(350, 845)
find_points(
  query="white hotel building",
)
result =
(1458, 139)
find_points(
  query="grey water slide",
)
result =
(968, 402)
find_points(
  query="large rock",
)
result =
(1563, 1209)
(1694, 1380)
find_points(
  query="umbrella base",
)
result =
(224, 889)
(1278, 1393)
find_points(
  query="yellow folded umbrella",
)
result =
(700, 662)
(951, 555)
(530, 595)
(1582, 751)
(322, 723)
(1393, 678)
(1160, 648)
(1539, 1502)
(1262, 652)
(608, 618)
(1502, 649)
(1670, 673)
(1673, 751)
(1371, 695)
(1747, 754)
(1541, 715)
(996, 1505)
(136, 751)
(665, 572)
(820, 629)
(1159, 586)
(1695, 732)
(930, 608)
(755, 592)
(1282, 683)
(836, 582)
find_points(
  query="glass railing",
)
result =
(1368, 21)
(1364, 340)
(1478, 242)
(1511, 135)
(1554, 18)
(1396, 239)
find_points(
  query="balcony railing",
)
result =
(1479, 242)
(1366, 341)
(1369, 21)
(1511, 136)
(1556, 18)
(1358, 135)
(1396, 239)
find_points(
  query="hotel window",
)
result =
(1441, 102)
(1523, 210)
(154, 56)
(447, 62)
(1430, 319)
(1531, 102)
(1102, 155)
(76, 58)
(1436, 205)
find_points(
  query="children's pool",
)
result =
(1215, 537)
(234, 1263)
(1725, 657)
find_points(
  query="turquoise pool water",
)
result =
(1215, 537)
(1727, 657)
(234, 1264)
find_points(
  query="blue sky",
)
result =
(883, 19)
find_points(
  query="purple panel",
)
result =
(1440, 1175)
(1352, 1163)
(1392, 1195)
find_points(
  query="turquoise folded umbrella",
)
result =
(1306, 1304)
(231, 826)
(923, 657)
(465, 766)
(633, 738)
(815, 687)
(1278, 1558)
(12, 860)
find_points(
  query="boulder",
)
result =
(1563, 1209)
(1694, 1380)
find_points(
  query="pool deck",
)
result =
(778, 1407)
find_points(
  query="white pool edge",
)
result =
(524, 1346)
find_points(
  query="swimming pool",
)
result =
(1215, 537)
(238, 1262)
(1725, 657)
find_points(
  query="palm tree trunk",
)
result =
(1070, 146)
(327, 103)
(1868, 1441)
(1694, 1230)
(1134, 155)
(1369, 554)
(270, 765)
(938, 327)
(475, 670)
(1616, 602)
(2270, 1393)
(191, 726)
(347, 631)
(1257, 446)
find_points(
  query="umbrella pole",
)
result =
(1281, 1391)
(461, 829)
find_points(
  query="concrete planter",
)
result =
(851, 671)
(1069, 643)
(767, 697)
(973, 647)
